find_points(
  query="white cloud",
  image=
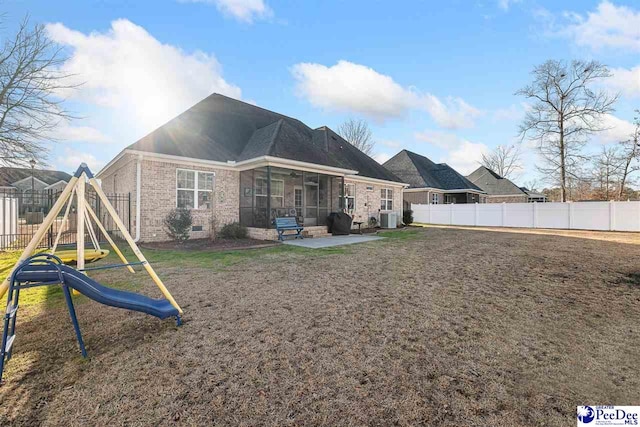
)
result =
(462, 154)
(356, 88)
(381, 157)
(144, 81)
(72, 158)
(66, 133)
(609, 26)
(440, 139)
(616, 130)
(626, 81)
(242, 10)
(505, 4)
(465, 159)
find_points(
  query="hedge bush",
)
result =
(178, 223)
(233, 230)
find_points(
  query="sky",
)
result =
(437, 78)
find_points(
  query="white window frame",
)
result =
(435, 198)
(272, 196)
(388, 202)
(195, 186)
(299, 188)
(347, 197)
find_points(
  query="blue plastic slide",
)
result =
(160, 308)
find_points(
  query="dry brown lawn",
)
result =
(443, 327)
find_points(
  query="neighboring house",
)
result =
(228, 161)
(432, 183)
(534, 196)
(20, 182)
(500, 189)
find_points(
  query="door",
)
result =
(311, 194)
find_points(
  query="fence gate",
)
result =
(22, 212)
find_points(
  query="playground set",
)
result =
(50, 268)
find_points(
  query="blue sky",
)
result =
(437, 78)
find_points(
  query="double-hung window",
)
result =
(350, 196)
(277, 193)
(386, 199)
(194, 189)
(435, 198)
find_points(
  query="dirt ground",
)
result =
(441, 327)
(210, 245)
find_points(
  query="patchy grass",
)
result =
(399, 234)
(53, 296)
(448, 327)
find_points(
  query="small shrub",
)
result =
(233, 230)
(407, 216)
(178, 223)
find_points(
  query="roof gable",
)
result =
(494, 184)
(420, 172)
(9, 175)
(223, 129)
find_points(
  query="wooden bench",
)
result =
(288, 223)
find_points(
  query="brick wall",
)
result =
(121, 178)
(368, 200)
(158, 197)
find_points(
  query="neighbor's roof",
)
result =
(420, 172)
(532, 193)
(223, 129)
(9, 176)
(494, 184)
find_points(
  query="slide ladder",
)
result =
(11, 313)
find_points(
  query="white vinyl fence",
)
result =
(615, 216)
(8, 220)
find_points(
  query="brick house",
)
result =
(230, 161)
(432, 183)
(502, 190)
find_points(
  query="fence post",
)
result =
(450, 213)
(612, 215)
(475, 215)
(570, 215)
(504, 214)
(429, 209)
(535, 214)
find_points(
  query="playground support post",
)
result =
(109, 239)
(132, 244)
(37, 237)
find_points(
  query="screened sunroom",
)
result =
(271, 192)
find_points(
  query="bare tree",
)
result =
(503, 160)
(565, 110)
(358, 134)
(630, 155)
(30, 84)
(531, 184)
(607, 171)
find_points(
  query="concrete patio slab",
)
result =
(327, 242)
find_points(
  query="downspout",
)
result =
(138, 187)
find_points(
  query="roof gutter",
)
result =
(441, 190)
(138, 190)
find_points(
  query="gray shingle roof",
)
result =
(8, 175)
(222, 129)
(494, 184)
(420, 172)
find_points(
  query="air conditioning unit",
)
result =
(388, 220)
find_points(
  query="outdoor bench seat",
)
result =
(288, 223)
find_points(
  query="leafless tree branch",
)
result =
(565, 111)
